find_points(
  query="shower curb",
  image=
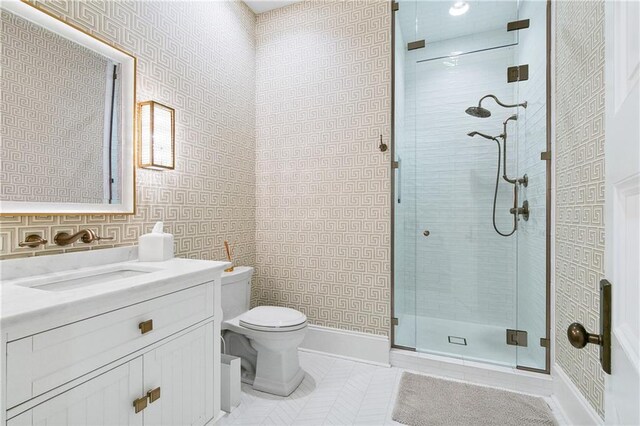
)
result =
(474, 372)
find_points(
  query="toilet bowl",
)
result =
(266, 338)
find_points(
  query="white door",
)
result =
(104, 400)
(182, 370)
(622, 207)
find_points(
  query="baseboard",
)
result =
(474, 372)
(364, 347)
(575, 408)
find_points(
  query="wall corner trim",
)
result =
(575, 408)
(353, 345)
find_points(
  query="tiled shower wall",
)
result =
(323, 100)
(206, 72)
(579, 155)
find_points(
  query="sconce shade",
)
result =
(156, 136)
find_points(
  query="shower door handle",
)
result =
(396, 166)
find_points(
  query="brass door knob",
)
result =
(579, 337)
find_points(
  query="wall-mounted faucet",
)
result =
(87, 236)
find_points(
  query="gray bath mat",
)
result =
(424, 400)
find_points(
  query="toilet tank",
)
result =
(236, 291)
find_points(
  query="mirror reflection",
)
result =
(61, 118)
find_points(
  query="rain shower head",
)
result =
(478, 112)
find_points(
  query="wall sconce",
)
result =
(156, 136)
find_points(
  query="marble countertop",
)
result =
(25, 310)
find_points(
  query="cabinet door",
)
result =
(104, 400)
(183, 370)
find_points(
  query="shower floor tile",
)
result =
(335, 391)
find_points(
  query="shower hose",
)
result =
(495, 197)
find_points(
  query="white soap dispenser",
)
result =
(156, 246)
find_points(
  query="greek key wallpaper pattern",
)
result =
(53, 102)
(199, 58)
(580, 187)
(322, 186)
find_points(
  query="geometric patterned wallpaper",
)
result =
(199, 58)
(53, 106)
(579, 158)
(323, 186)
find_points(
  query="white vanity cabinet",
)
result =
(180, 372)
(143, 355)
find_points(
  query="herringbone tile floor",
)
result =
(334, 392)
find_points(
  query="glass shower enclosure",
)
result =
(470, 181)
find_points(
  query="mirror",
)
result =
(67, 112)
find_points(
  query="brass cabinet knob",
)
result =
(153, 395)
(145, 326)
(579, 337)
(140, 404)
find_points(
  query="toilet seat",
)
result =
(273, 319)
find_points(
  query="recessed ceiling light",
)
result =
(459, 8)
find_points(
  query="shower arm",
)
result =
(523, 105)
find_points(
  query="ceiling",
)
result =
(431, 21)
(259, 6)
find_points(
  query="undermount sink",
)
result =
(72, 280)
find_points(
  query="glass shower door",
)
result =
(464, 279)
(404, 294)
(532, 233)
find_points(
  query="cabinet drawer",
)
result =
(39, 363)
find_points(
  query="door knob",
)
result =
(579, 337)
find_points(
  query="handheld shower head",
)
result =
(474, 133)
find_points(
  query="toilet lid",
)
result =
(272, 317)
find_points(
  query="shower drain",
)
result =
(457, 340)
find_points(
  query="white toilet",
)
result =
(266, 338)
